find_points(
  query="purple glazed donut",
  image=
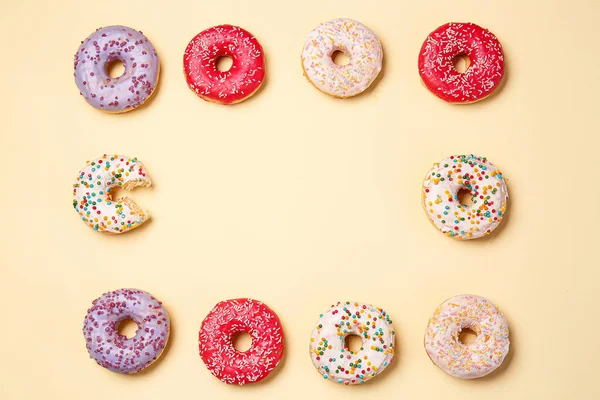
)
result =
(128, 91)
(116, 352)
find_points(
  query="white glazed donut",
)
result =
(93, 200)
(355, 40)
(476, 359)
(334, 360)
(486, 185)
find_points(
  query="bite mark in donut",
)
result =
(93, 199)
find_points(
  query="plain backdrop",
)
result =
(301, 200)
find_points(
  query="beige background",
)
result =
(301, 200)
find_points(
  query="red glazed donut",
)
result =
(244, 77)
(216, 348)
(480, 79)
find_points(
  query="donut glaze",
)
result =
(334, 360)
(217, 350)
(476, 359)
(123, 93)
(241, 81)
(355, 40)
(480, 79)
(489, 195)
(116, 352)
(92, 193)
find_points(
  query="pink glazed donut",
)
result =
(123, 93)
(484, 73)
(473, 360)
(221, 357)
(116, 352)
(241, 81)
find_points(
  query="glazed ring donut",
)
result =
(241, 81)
(123, 93)
(116, 352)
(216, 346)
(92, 193)
(482, 76)
(334, 360)
(355, 40)
(489, 195)
(476, 359)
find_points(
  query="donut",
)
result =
(476, 359)
(134, 86)
(116, 352)
(241, 81)
(216, 347)
(486, 185)
(334, 360)
(482, 76)
(92, 193)
(354, 39)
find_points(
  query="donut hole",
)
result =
(467, 336)
(242, 341)
(465, 197)
(461, 63)
(127, 328)
(340, 58)
(115, 68)
(353, 343)
(224, 63)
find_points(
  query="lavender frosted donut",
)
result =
(116, 352)
(128, 91)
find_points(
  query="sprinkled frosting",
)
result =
(123, 93)
(480, 79)
(331, 356)
(217, 350)
(92, 193)
(354, 39)
(476, 359)
(241, 81)
(116, 352)
(486, 185)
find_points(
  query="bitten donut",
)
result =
(486, 185)
(216, 346)
(355, 40)
(482, 76)
(123, 93)
(241, 81)
(116, 352)
(476, 359)
(92, 193)
(329, 352)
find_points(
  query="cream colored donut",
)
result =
(489, 195)
(92, 191)
(476, 359)
(355, 40)
(334, 360)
